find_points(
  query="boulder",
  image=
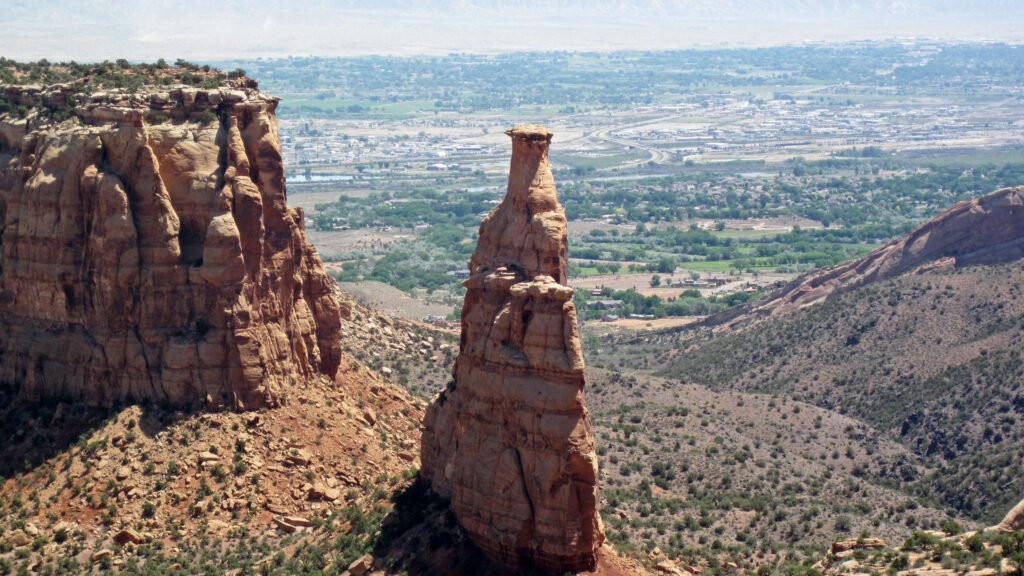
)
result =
(319, 491)
(361, 566)
(284, 525)
(18, 538)
(99, 555)
(668, 567)
(128, 536)
(842, 551)
(299, 457)
(857, 544)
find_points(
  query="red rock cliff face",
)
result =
(148, 253)
(510, 439)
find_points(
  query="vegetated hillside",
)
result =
(973, 552)
(931, 359)
(712, 477)
(298, 489)
(707, 477)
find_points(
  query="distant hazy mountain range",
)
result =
(714, 8)
(197, 29)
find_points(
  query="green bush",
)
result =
(919, 541)
(951, 527)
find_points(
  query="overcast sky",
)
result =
(88, 30)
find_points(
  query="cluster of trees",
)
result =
(422, 263)
(405, 209)
(117, 74)
(689, 303)
(662, 250)
(817, 192)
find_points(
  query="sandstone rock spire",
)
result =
(147, 252)
(509, 441)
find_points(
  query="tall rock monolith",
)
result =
(509, 440)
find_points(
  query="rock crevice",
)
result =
(509, 441)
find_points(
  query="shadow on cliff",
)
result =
(34, 432)
(422, 538)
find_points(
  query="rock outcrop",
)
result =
(842, 550)
(985, 230)
(1013, 521)
(147, 251)
(509, 441)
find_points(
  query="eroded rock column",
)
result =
(510, 439)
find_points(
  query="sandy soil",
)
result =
(614, 281)
(642, 282)
(627, 324)
(579, 227)
(307, 198)
(392, 301)
(335, 244)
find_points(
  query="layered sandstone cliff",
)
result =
(147, 251)
(509, 441)
(985, 230)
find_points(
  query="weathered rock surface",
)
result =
(147, 252)
(842, 551)
(1014, 519)
(985, 230)
(510, 441)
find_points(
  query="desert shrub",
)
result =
(919, 541)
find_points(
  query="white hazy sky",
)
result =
(87, 30)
